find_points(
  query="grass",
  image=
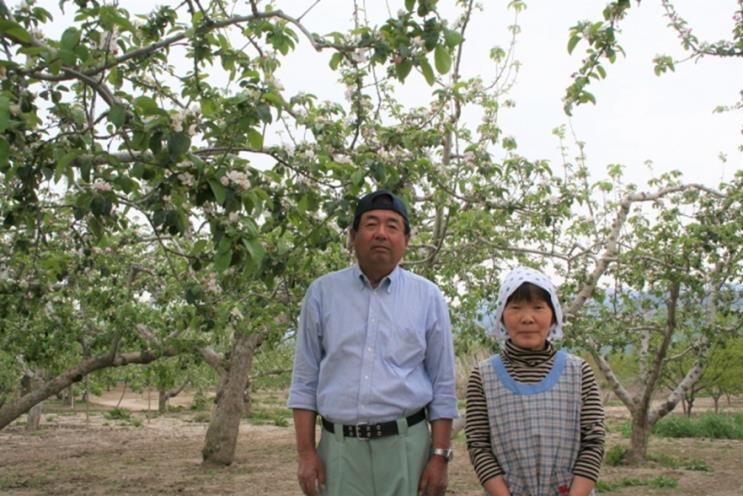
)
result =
(661, 481)
(707, 425)
(16, 481)
(277, 416)
(670, 461)
(710, 425)
(615, 457)
(118, 414)
(201, 418)
(123, 415)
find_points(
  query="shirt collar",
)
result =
(387, 283)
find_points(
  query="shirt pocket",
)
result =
(406, 346)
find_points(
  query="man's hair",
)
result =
(381, 200)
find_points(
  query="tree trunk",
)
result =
(639, 438)
(716, 399)
(121, 398)
(33, 421)
(221, 436)
(164, 396)
(162, 401)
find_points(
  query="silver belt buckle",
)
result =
(367, 431)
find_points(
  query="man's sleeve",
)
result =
(303, 391)
(439, 362)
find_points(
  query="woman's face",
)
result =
(528, 323)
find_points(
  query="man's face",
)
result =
(380, 241)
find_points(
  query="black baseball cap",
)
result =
(380, 200)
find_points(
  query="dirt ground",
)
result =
(79, 454)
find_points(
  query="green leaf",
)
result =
(15, 30)
(4, 113)
(115, 77)
(222, 260)
(442, 57)
(572, 42)
(63, 162)
(403, 69)
(357, 178)
(178, 144)
(67, 57)
(601, 71)
(146, 105)
(255, 249)
(453, 38)
(117, 115)
(4, 152)
(70, 39)
(427, 71)
(409, 5)
(220, 192)
(335, 60)
(255, 139)
(198, 247)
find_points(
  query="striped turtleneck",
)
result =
(529, 367)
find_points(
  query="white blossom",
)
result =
(350, 91)
(358, 56)
(239, 178)
(176, 122)
(224, 181)
(342, 159)
(275, 83)
(233, 217)
(107, 42)
(419, 42)
(401, 13)
(212, 285)
(186, 179)
(100, 185)
(192, 129)
(14, 108)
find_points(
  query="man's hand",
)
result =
(311, 473)
(434, 478)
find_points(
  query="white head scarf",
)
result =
(511, 283)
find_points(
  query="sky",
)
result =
(648, 124)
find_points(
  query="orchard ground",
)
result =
(83, 451)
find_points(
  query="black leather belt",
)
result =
(375, 431)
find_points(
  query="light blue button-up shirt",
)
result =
(373, 354)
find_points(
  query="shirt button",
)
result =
(369, 348)
(366, 377)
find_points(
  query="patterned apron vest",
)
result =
(535, 428)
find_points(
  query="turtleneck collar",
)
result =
(528, 357)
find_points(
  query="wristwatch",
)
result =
(447, 453)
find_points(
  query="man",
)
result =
(374, 358)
